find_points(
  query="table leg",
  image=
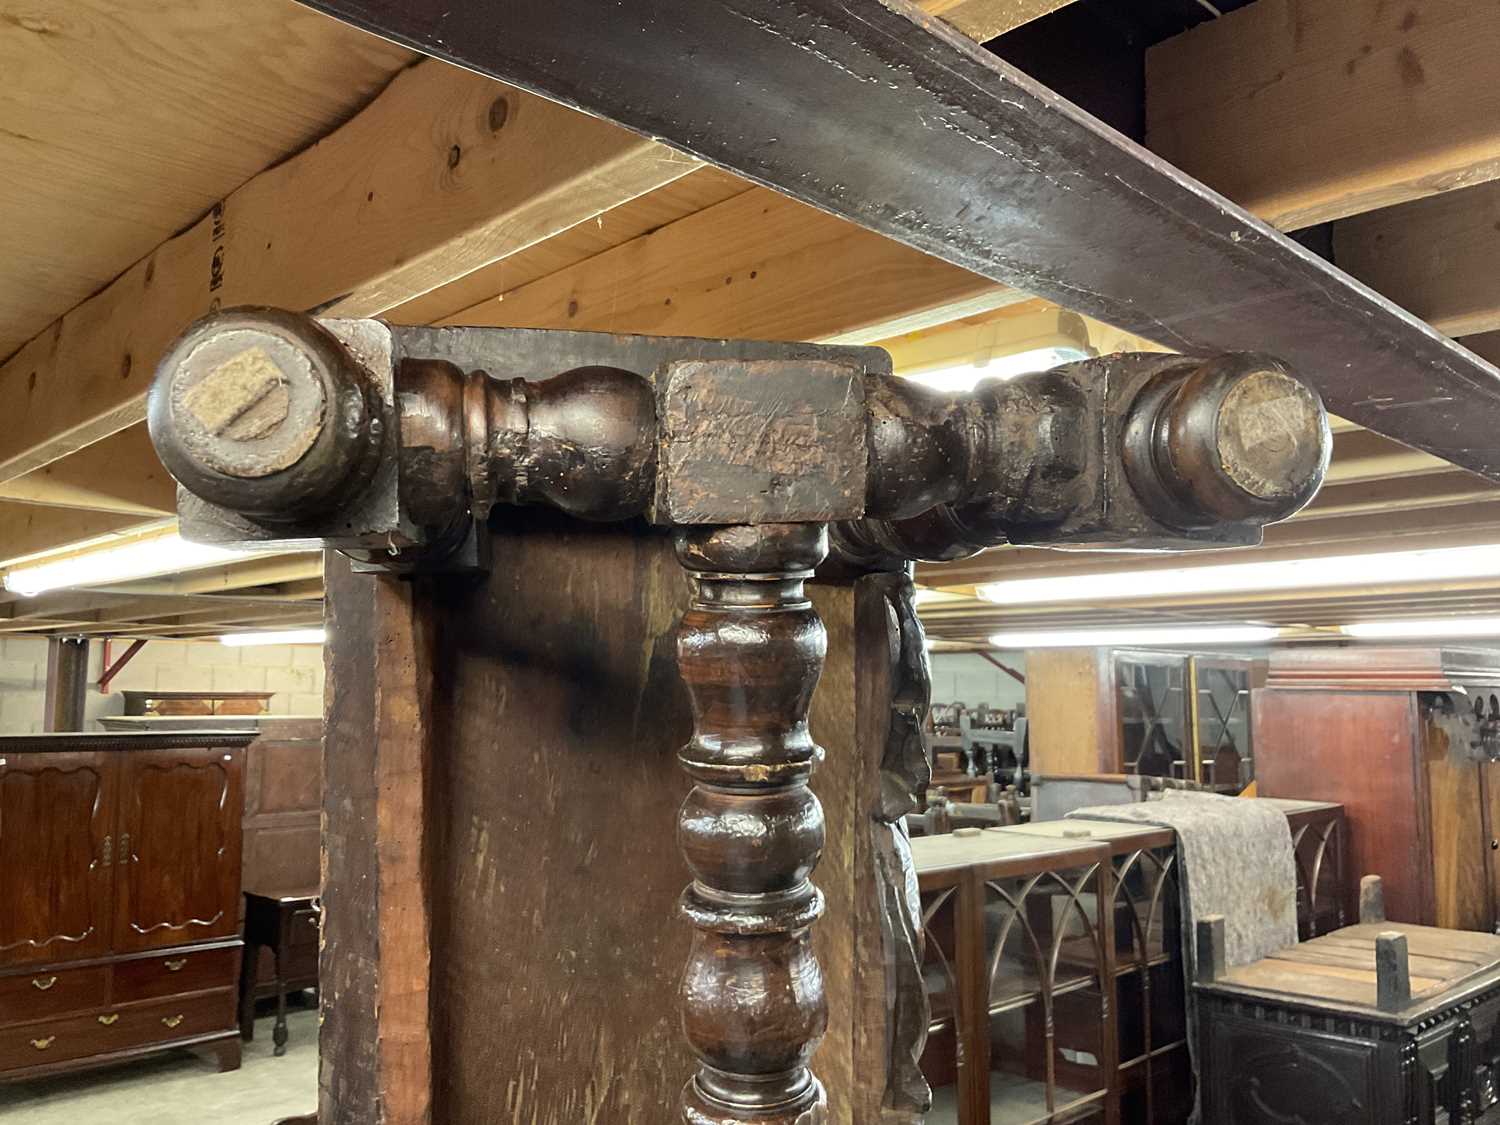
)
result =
(278, 1034)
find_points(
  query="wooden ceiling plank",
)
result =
(1455, 486)
(124, 120)
(985, 19)
(1304, 112)
(258, 571)
(119, 474)
(1435, 257)
(26, 529)
(758, 265)
(697, 191)
(444, 173)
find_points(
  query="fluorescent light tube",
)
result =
(138, 558)
(1136, 638)
(1386, 568)
(284, 637)
(1429, 627)
(967, 376)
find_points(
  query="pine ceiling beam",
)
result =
(1304, 112)
(444, 173)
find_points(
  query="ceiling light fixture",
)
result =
(1381, 569)
(967, 376)
(284, 637)
(1426, 627)
(145, 557)
(1136, 638)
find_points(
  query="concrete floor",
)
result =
(178, 1088)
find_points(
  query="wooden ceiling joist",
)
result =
(119, 474)
(124, 120)
(757, 265)
(1435, 256)
(985, 19)
(26, 529)
(1303, 112)
(442, 174)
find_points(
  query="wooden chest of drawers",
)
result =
(119, 875)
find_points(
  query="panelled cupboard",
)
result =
(120, 879)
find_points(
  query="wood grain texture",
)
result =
(985, 19)
(283, 799)
(177, 877)
(555, 872)
(119, 474)
(130, 118)
(1456, 813)
(26, 529)
(1302, 112)
(758, 266)
(374, 969)
(442, 174)
(1432, 256)
(700, 189)
(1357, 749)
(1070, 701)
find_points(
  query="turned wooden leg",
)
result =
(278, 1033)
(750, 649)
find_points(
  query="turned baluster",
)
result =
(750, 649)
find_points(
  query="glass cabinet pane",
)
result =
(1153, 706)
(1148, 987)
(1226, 759)
(940, 975)
(1046, 1001)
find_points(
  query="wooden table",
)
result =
(287, 924)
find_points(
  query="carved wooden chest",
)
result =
(1301, 1036)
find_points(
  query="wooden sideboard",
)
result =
(120, 879)
(1388, 733)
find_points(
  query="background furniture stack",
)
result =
(1054, 967)
(120, 879)
(1391, 734)
(282, 830)
(1121, 711)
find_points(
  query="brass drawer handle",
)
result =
(109, 1019)
(41, 984)
(176, 966)
(171, 1021)
(43, 1044)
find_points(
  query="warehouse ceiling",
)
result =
(171, 164)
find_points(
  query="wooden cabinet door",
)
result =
(56, 813)
(178, 853)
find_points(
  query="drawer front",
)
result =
(303, 928)
(38, 1044)
(172, 972)
(38, 995)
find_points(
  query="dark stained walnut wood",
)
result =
(376, 956)
(56, 856)
(119, 874)
(750, 648)
(179, 813)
